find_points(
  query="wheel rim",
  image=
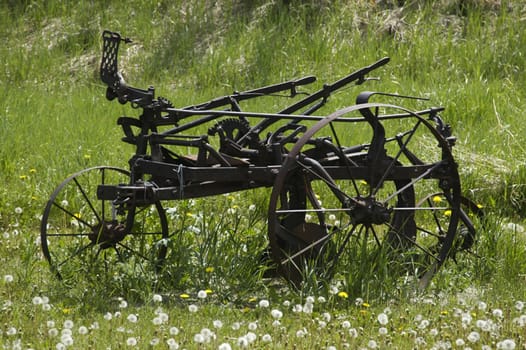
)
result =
(81, 234)
(360, 209)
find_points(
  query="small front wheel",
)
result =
(82, 234)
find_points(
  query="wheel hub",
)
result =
(108, 233)
(369, 211)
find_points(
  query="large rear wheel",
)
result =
(333, 205)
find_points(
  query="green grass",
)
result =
(54, 120)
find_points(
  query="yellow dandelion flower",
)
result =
(209, 269)
(77, 215)
(363, 312)
(184, 296)
(208, 291)
(480, 206)
(190, 215)
(66, 311)
(366, 304)
(448, 213)
(444, 312)
(34, 198)
(32, 170)
(343, 295)
(363, 182)
(252, 300)
(437, 199)
(87, 156)
(23, 177)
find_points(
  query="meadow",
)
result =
(467, 56)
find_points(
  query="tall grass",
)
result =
(54, 120)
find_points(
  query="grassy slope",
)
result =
(55, 119)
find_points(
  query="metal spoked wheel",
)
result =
(333, 205)
(81, 234)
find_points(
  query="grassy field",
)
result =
(467, 56)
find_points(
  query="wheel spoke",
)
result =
(88, 200)
(394, 161)
(73, 216)
(79, 251)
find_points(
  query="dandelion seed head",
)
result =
(192, 308)
(132, 318)
(473, 337)
(68, 324)
(266, 338)
(252, 326)
(11, 331)
(506, 344)
(199, 338)
(37, 300)
(276, 314)
(224, 346)
(66, 339)
(346, 324)
(353, 332)
(172, 344)
(251, 336)
(308, 308)
(498, 313)
(383, 319)
(8, 278)
(264, 303)
(83, 330)
(157, 298)
(372, 344)
(297, 308)
(242, 342)
(201, 294)
(300, 333)
(519, 305)
(174, 330)
(460, 342)
(131, 341)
